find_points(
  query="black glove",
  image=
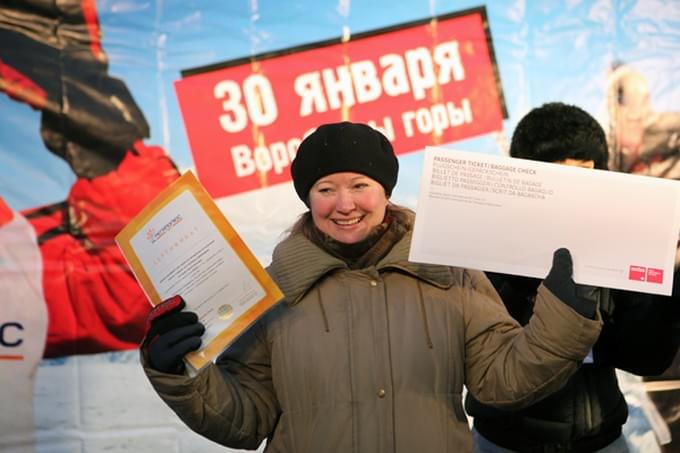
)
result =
(171, 333)
(559, 281)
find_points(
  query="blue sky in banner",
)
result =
(545, 51)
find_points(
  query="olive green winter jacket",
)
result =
(375, 360)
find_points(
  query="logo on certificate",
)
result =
(638, 273)
(225, 311)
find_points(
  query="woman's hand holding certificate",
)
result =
(171, 334)
(181, 244)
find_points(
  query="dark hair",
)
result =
(557, 131)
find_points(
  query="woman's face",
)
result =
(347, 206)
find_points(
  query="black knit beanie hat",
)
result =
(345, 146)
(556, 131)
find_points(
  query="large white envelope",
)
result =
(500, 214)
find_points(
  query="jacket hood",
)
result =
(298, 263)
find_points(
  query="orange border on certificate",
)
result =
(188, 182)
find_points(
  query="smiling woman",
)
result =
(347, 206)
(367, 351)
(345, 173)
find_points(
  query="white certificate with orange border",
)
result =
(181, 244)
(499, 214)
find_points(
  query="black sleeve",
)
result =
(640, 335)
(517, 293)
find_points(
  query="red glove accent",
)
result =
(168, 305)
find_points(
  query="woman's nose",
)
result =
(344, 202)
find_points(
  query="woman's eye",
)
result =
(361, 185)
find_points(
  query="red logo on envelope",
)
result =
(638, 273)
(655, 275)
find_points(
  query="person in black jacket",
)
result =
(587, 414)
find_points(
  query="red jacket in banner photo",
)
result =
(94, 302)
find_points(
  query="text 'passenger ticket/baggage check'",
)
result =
(501, 214)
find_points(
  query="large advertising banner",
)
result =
(105, 103)
(428, 82)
